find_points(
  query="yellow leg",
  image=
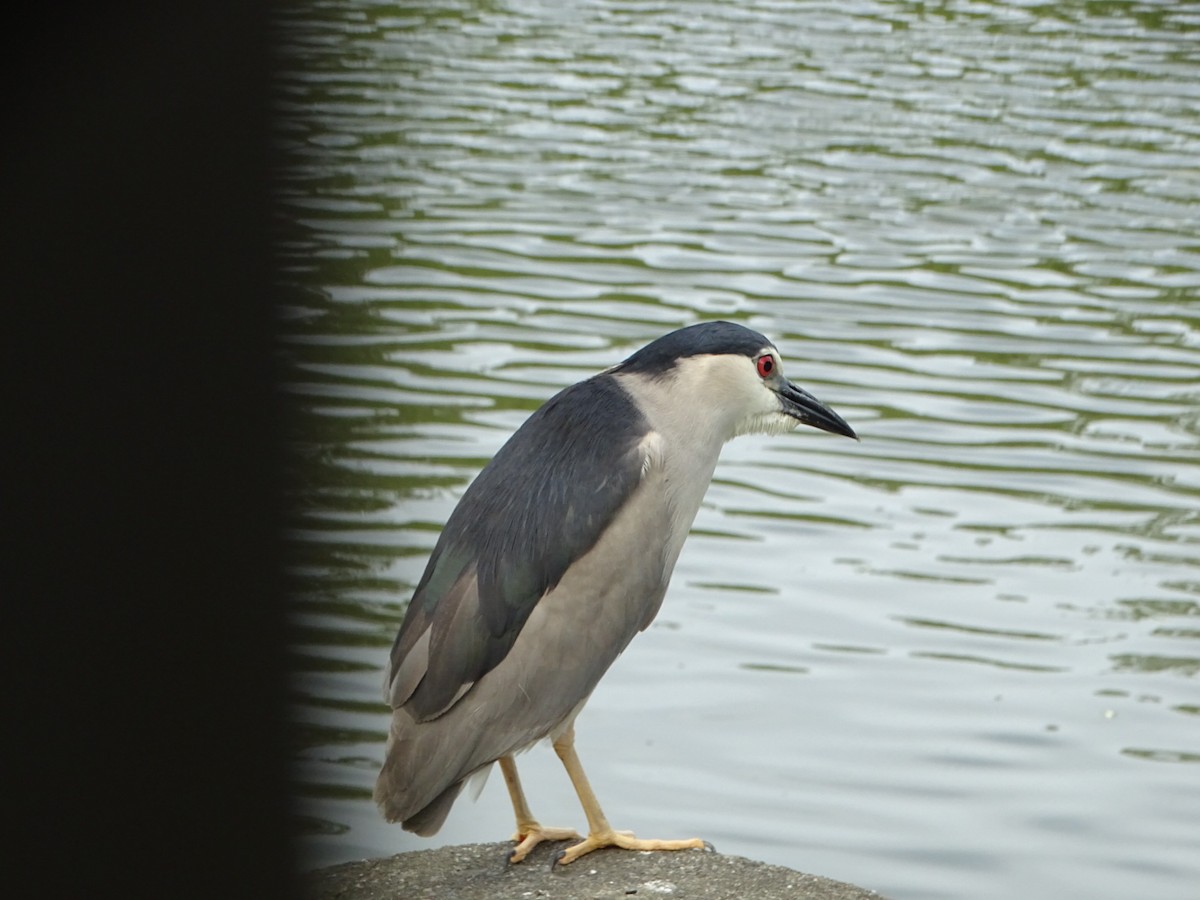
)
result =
(530, 832)
(600, 833)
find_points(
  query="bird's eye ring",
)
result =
(766, 365)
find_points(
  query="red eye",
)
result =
(766, 366)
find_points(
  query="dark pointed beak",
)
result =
(803, 406)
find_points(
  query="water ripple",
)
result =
(971, 227)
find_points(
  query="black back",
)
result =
(534, 509)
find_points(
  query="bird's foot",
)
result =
(626, 841)
(530, 834)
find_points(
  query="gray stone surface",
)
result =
(481, 872)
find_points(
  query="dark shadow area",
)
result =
(144, 614)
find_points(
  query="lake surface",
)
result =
(958, 659)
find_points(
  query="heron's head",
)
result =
(729, 378)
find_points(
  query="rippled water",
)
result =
(958, 659)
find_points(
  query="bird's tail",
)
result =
(418, 783)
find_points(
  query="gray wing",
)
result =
(540, 504)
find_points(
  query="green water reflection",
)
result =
(972, 228)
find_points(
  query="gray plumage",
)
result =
(561, 550)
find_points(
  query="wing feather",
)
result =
(539, 505)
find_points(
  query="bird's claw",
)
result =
(529, 837)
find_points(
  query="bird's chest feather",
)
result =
(676, 476)
(623, 578)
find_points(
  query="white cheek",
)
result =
(763, 414)
(767, 423)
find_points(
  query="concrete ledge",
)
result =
(481, 872)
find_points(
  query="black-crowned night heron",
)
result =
(555, 557)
